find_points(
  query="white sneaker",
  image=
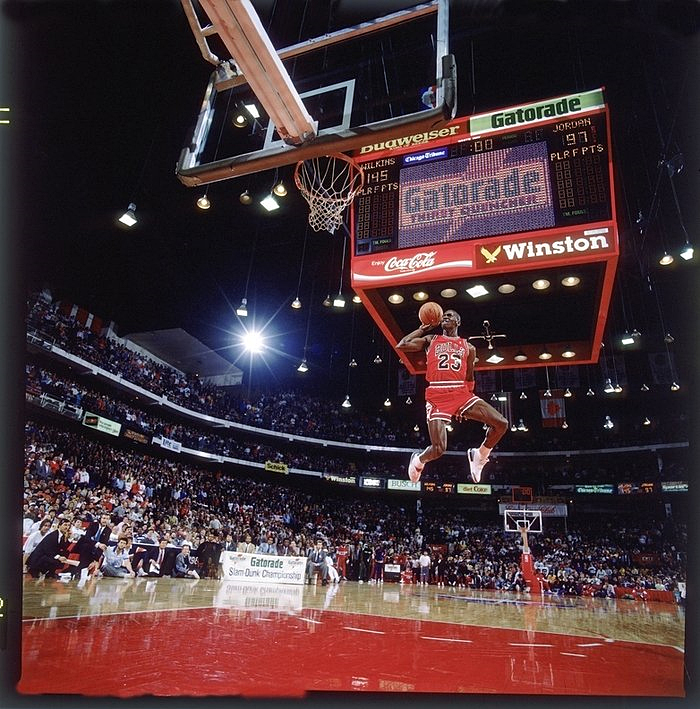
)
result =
(415, 468)
(476, 464)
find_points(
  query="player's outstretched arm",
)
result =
(415, 341)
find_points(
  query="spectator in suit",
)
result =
(247, 546)
(92, 544)
(229, 544)
(316, 563)
(268, 546)
(184, 564)
(51, 553)
(208, 554)
(34, 538)
(155, 561)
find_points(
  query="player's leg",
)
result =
(437, 431)
(496, 424)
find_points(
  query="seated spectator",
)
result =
(33, 540)
(51, 553)
(246, 546)
(93, 542)
(268, 546)
(184, 565)
(116, 561)
(316, 563)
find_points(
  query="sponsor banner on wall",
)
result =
(674, 486)
(402, 485)
(259, 568)
(560, 510)
(101, 424)
(169, 444)
(275, 467)
(469, 489)
(376, 483)
(135, 436)
(240, 595)
(595, 489)
(341, 479)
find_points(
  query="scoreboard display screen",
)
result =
(520, 179)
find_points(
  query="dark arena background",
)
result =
(190, 364)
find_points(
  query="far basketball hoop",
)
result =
(522, 520)
(329, 184)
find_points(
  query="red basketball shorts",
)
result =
(444, 402)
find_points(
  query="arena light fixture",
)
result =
(675, 386)
(541, 284)
(395, 299)
(590, 392)
(646, 422)
(570, 281)
(494, 358)
(303, 366)
(523, 395)
(339, 301)
(279, 189)
(377, 359)
(545, 354)
(547, 394)
(203, 202)
(356, 299)
(669, 338)
(448, 292)
(253, 342)
(608, 388)
(520, 356)
(129, 217)
(270, 203)
(506, 288)
(477, 291)
(565, 424)
(666, 259)
(608, 423)
(245, 197)
(627, 339)
(568, 393)
(644, 387)
(420, 295)
(352, 363)
(242, 309)
(296, 303)
(521, 425)
(568, 353)
(687, 252)
(387, 402)
(346, 402)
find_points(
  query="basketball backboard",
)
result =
(333, 93)
(519, 520)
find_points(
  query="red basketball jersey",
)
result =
(446, 360)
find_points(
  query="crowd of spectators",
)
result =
(294, 412)
(70, 475)
(642, 465)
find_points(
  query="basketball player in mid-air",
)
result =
(450, 392)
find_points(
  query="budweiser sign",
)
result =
(417, 262)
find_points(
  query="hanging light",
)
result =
(203, 202)
(609, 388)
(378, 359)
(242, 309)
(687, 252)
(296, 303)
(346, 403)
(279, 189)
(548, 394)
(675, 386)
(303, 366)
(618, 388)
(129, 217)
(416, 428)
(669, 338)
(245, 197)
(644, 387)
(520, 356)
(523, 395)
(356, 299)
(387, 402)
(666, 259)
(545, 354)
(568, 393)
(352, 363)
(568, 353)
(564, 424)
(327, 302)
(270, 203)
(590, 392)
(339, 301)
(409, 401)
(608, 423)
(494, 358)
(521, 426)
(646, 422)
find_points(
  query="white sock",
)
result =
(484, 452)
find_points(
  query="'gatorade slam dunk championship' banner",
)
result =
(259, 568)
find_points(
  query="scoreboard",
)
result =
(534, 167)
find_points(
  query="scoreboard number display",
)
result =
(550, 173)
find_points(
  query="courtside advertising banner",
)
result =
(259, 568)
(259, 596)
(546, 510)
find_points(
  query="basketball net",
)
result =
(329, 184)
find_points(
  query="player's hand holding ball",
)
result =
(430, 314)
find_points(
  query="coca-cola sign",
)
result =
(417, 262)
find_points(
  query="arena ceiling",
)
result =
(104, 95)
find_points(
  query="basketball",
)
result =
(430, 313)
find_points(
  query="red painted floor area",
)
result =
(215, 652)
